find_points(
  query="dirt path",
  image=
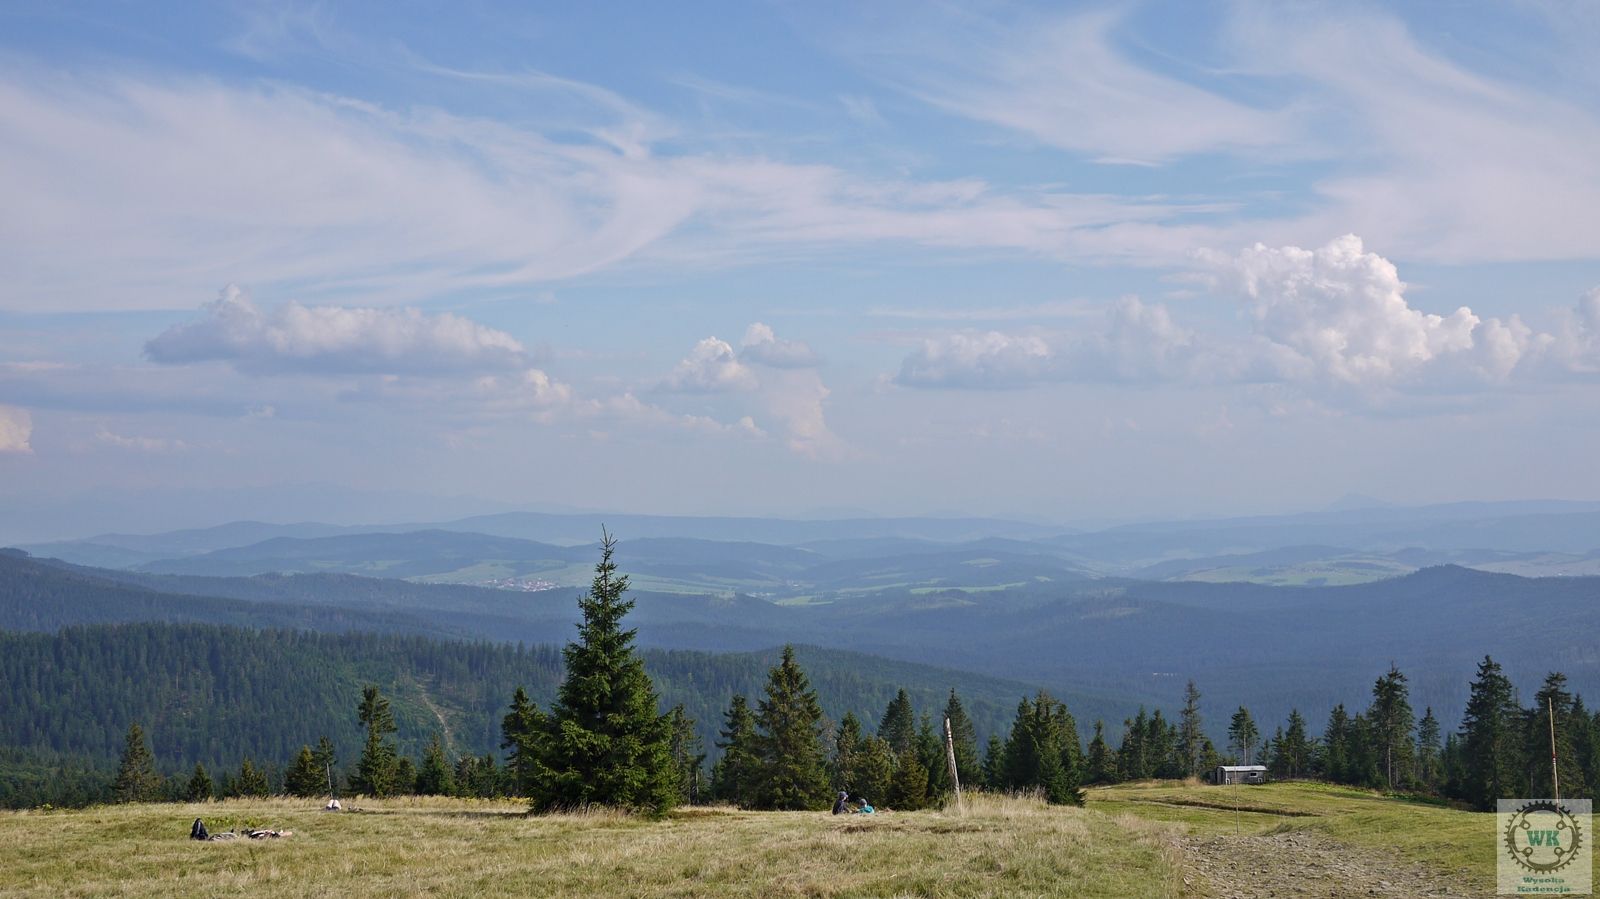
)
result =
(1301, 864)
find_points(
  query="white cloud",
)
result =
(296, 338)
(1575, 346)
(786, 389)
(180, 184)
(1438, 162)
(711, 367)
(1064, 83)
(1133, 342)
(16, 429)
(763, 347)
(1343, 309)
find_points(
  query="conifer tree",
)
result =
(899, 724)
(405, 776)
(378, 771)
(1428, 749)
(1297, 747)
(1101, 765)
(520, 731)
(688, 756)
(848, 746)
(1242, 734)
(1392, 722)
(605, 742)
(1274, 756)
(305, 777)
(1491, 742)
(735, 775)
(137, 780)
(1191, 733)
(436, 777)
(251, 781)
(793, 775)
(1554, 695)
(1133, 757)
(1336, 746)
(199, 788)
(908, 788)
(875, 772)
(1041, 752)
(930, 752)
(327, 763)
(994, 762)
(964, 737)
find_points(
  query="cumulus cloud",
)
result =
(1344, 310)
(762, 347)
(779, 385)
(711, 367)
(333, 339)
(16, 429)
(1332, 318)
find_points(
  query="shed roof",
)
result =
(1242, 767)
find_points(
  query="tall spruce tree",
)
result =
(1335, 759)
(994, 763)
(1491, 739)
(688, 757)
(520, 732)
(305, 777)
(327, 763)
(844, 767)
(964, 736)
(1297, 747)
(605, 743)
(735, 775)
(378, 770)
(1100, 766)
(1243, 734)
(1428, 772)
(1191, 733)
(794, 773)
(1553, 695)
(1392, 722)
(137, 780)
(930, 752)
(899, 724)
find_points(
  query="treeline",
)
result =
(1500, 750)
(214, 696)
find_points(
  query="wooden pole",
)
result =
(1555, 773)
(950, 758)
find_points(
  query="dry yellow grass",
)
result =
(1000, 847)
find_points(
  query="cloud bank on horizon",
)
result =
(962, 241)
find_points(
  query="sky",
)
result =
(1066, 262)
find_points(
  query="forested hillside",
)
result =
(216, 695)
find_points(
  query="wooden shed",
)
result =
(1239, 774)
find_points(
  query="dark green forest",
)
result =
(214, 695)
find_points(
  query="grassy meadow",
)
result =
(1130, 841)
(437, 847)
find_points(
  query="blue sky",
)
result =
(1077, 263)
